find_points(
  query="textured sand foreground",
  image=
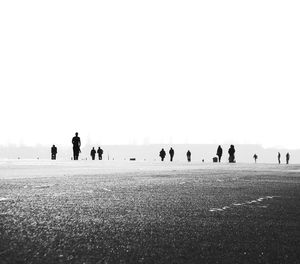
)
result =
(139, 212)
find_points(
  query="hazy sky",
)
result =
(150, 71)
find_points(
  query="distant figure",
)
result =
(287, 158)
(171, 152)
(162, 154)
(76, 146)
(278, 157)
(93, 153)
(219, 153)
(53, 152)
(188, 155)
(100, 153)
(231, 152)
(255, 157)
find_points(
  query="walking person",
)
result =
(76, 146)
(162, 154)
(188, 155)
(171, 152)
(53, 152)
(278, 157)
(93, 153)
(255, 157)
(219, 153)
(287, 156)
(100, 153)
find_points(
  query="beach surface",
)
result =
(148, 212)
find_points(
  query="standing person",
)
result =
(171, 152)
(53, 152)
(188, 155)
(100, 153)
(255, 157)
(278, 157)
(93, 153)
(231, 153)
(76, 146)
(287, 158)
(219, 153)
(162, 154)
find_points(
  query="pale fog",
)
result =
(158, 73)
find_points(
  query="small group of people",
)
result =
(99, 152)
(287, 158)
(231, 152)
(162, 154)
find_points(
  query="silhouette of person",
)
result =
(219, 153)
(53, 152)
(100, 153)
(255, 157)
(162, 154)
(188, 155)
(171, 152)
(76, 146)
(287, 156)
(278, 157)
(231, 153)
(93, 153)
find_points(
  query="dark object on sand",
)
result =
(132, 159)
(215, 159)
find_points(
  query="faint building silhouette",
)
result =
(219, 153)
(100, 153)
(93, 153)
(231, 153)
(171, 152)
(76, 146)
(255, 157)
(53, 152)
(188, 155)
(162, 154)
(287, 156)
(278, 157)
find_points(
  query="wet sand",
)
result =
(140, 212)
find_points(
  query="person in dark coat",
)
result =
(100, 153)
(53, 152)
(255, 157)
(76, 146)
(287, 156)
(171, 152)
(93, 153)
(278, 157)
(189, 155)
(162, 154)
(219, 153)
(231, 153)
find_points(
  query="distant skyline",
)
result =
(124, 72)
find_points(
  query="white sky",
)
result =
(150, 71)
